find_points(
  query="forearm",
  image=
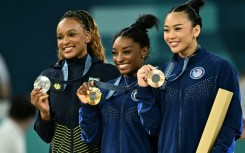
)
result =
(90, 124)
(149, 111)
(230, 130)
(45, 129)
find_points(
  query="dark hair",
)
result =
(191, 9)
(21, 108)
(138, 31)
(95, 46)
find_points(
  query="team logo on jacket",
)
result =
(133, 95)
(197, 72)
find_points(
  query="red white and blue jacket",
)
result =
(115, 124)
(179, 112)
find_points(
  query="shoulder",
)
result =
(219, 62)
(105, 71)
(215, 58)
(53, 68)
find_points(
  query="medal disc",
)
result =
(43, 83)
(156, 78)
(94, 97)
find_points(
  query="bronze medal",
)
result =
(156, 78)
(94, 97)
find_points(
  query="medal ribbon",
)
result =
(88, 64)
(171, 66)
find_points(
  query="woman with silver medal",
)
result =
(114, 123)
(178, 110)
(80, 55)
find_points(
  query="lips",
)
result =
(122, 66)
(174, 44)
(68, 49)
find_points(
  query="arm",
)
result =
(89, 117)
(44, 124)
(45, 129)
(149, 110)
(89, 122)
(233, 123)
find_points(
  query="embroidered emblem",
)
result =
(133, 94)
(197, 72)
(57, 86)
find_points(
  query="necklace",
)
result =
(129, 85)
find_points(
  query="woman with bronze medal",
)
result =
(80, 56)
(177, 111)
(114, 123)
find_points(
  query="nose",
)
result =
(66, 40)
(172, 34)
(119, 58)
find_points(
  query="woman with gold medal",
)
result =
(114, 123)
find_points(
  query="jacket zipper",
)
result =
(121, 126)
(180, 114)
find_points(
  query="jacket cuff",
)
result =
(144, 92)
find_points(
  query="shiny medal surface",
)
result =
(43, 83)
(156, 78)
(94, 97)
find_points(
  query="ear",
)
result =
(87, 36)
(196, 30)
(144, 52)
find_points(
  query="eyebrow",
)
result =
(174, 25)
(71, 30)
(124, 47)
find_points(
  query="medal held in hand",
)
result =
(43, 83)
(94, 97)
(156, 78)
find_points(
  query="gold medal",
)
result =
(156, 78)
(43, 83)
(94, 97)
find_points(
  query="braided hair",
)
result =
(95, 46)
(138, 31)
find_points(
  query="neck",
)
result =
(192, 49)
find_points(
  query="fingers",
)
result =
(39, 99)
(84, 89)
(35, 94)
(143, 73)
(43, 97)
(146, 69)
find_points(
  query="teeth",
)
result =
(173, 44)
(68, 48)
(122, 66)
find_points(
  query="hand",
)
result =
(40, 100)
(142, 75)
(83, 91)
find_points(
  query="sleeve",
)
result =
(148, 109)
(233, 123)
(44, 129)
(90, 124)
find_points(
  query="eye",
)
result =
(59, 37)
(165, 30)
(72, 34)
(114, 53)
(178, 28)
(127, 51)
